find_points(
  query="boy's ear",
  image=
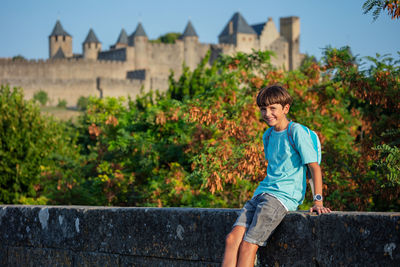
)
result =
(286, 109)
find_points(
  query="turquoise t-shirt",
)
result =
(286, 172)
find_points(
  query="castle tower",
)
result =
(190, 43)
(122, 40)
(60, 42)
(239, 33)
(290, 29)
(139, 39)
(267, 33)
(91, 46)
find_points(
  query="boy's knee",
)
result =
(235, 236)
(248, 247)
(232, 239)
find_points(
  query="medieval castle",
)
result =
(133, 62)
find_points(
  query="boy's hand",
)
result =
(319, 209)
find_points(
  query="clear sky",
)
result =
(26, 24)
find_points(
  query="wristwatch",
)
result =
(318, 197)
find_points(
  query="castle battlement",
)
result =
(111, 62)
(58, 61)
(120, 68)
(171, 46)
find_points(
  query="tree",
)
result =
(29, 142)
(168, 38)
(42, 97)
(392, 7)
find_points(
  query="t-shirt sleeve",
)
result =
(304, 145)
(265, 142)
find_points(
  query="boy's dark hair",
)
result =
(274, 94)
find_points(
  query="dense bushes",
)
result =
(199, 144)
(42, 97)
(29, 144)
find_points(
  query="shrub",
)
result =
(42, 97)
(28, 143)
(82, 103)
(62, 103)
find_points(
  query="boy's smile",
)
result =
(275, 116)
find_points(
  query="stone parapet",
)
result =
(94, 236)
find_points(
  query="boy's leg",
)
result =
(235, 237)
(232, 244)
(247, 254)
(268, 215)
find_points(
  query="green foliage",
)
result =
(42, 97)
(168, 38)
(28, 142)
(200, 143)
(392, 7)
(18, 58)
(82, 103)
(376, 5)
(62, 103)
(388, 163)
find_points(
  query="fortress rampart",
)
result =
(68, 76)
(63, 69)
(111, 236)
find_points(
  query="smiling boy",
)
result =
(283, 188)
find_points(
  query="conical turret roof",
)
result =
(59, 30)
(189, 31)
(239, 25)
(139, 31)
(123, 37)
(91, 38)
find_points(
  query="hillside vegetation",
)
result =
(200, 143)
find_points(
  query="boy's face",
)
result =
(275, 114)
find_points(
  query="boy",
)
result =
(283, 188)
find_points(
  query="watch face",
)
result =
(318, 197)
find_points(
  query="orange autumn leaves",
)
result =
(95, 131)
(393, 8)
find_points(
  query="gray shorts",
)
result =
(260, 215)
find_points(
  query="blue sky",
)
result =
(26, 24)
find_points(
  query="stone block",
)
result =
(355, 238)
(3, 255)
(130, 261)
(292, 243)
(83, 259)
(92, 236)
(178, 233)
(33, 257)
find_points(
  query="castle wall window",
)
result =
(56, 38)
(64, 38)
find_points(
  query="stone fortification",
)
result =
(106, 236)
(63, 69)
(78, 73)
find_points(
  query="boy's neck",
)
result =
(282, 126)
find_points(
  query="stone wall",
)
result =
(100, 236)
(165, 57)
(61, 69)
(71, 89)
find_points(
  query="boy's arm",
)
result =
(316, 175)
